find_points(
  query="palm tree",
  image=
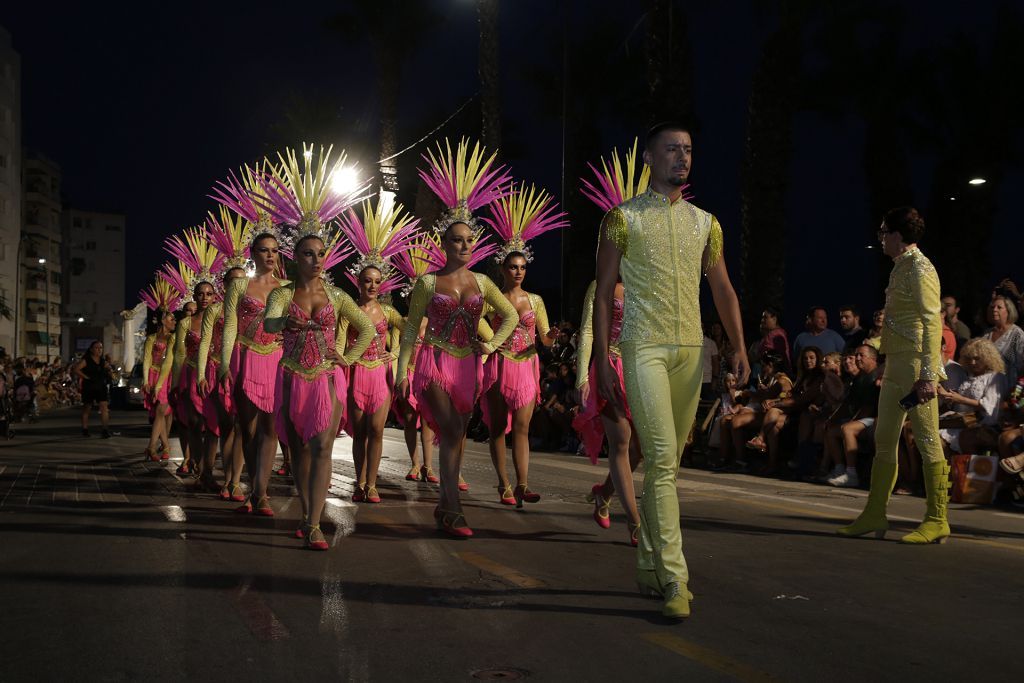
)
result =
(490, 86)
(669, 68)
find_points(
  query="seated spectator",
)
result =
(951, 316)
(562, 350)
(770, 386)
(1008, 338)
(980, 396)
(773, 337)
(849, 366)
(855, 420)
(874, 337)
(849, 325)
(727, 405)
(818, 334)
(1011, 440)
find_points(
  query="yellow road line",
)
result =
(994, 544)
(514, 577)
(707, 657)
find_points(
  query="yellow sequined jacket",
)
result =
(345, 311)
(666, 248)
(420, 299)
(211, 315)
(913, 313)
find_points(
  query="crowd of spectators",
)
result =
(30, 386)
(809, 410)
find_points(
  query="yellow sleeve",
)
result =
(418, 300)
(484, 330)
(210, 316)
(180, 332)
(616, 230)
(346, 308)
(586, 337)
(147, 357)
(715, 246)
(927, 291)
(540, 315)
(165, 367)
(504, 307)
(341, 337)
(395, 325)
(275, 316)
(232, 297)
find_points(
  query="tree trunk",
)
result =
(490, 88)
(669, 68)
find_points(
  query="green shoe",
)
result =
(648, 585)
(677, 601)
(872, 520)
(935, 527)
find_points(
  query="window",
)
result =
(76, 221)
(113, 228)
(90, 245)
(77, 266)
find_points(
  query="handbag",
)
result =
(957, 420)
(974, 479)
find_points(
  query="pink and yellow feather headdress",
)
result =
(521, 216)
(384, 232)
(198, 260)
(161, 295)
(463, 181)
(617, 181)
(231, 235)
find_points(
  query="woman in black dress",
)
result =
(95, 373)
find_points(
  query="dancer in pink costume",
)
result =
(310, 392)
(197, 261)
(426, 256)
(597, 419)
(230, 235)
(449, 375)
(383, 232)
(157, 360)
(250, 355)
(512, 375)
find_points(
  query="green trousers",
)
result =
(663, 388)
(902, 370)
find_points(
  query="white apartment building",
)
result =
(39, 312)
(94, 267)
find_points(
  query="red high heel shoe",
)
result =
(427, 475)
(524, 495)
(413, 474)
(151, 454)
(225, 493)
(359, 493)
(245, 508)
(602, 505)
(183, 469)
(634, 534)
(372, 496)
(505, 495)
(301, 531)
(315, 538)
(463, 486)
(446, 521)
(282, 471)
(262, 507)
(166, 455)
(237, 494)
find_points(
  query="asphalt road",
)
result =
(112, 569)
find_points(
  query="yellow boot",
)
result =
(934, 528)
(872, 519)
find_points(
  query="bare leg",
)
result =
(358, 440)
(374, 425)
(320, 450)
(409, 419)
(851, 430)
(521, 442)
(496, 436)
(453, 430)
(86, 409)
(427, 443)
(248, 429)
(265, 454)
(623, 457)
(105, 415)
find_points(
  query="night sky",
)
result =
(144, 113)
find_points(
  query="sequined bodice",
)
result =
(308, 347)
(452, 321)
(192, 345)
(523, 337)
(250, 321)
(217, 342)
(159, 352)
(378, 347)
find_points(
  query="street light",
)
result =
(81, 320)
(345, 181)
(976, 181)
(42, 261)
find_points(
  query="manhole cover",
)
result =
(503, 674)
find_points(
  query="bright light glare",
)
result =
(308, 154)
(42, 261)
(81, 319)
(976, 181)
(345, 181)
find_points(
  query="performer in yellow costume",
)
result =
(911, 342)
(662, 245)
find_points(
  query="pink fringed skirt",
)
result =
(370, 389)
(459, 378)
(587, 422)
(396, 405)
(255, 375)
(212, 400)
(160, 397)
(310, 403)
(518, 382)
(188, 392)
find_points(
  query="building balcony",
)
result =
(40, 325)
(42, 198)
(40, 294)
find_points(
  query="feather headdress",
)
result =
(617, 181)
(231, 235)
(161, 295)
(240, 194)
(424, 256)
(198, 260)
(306, 200)
(522, 215)
(464, 182)
(384, 232)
